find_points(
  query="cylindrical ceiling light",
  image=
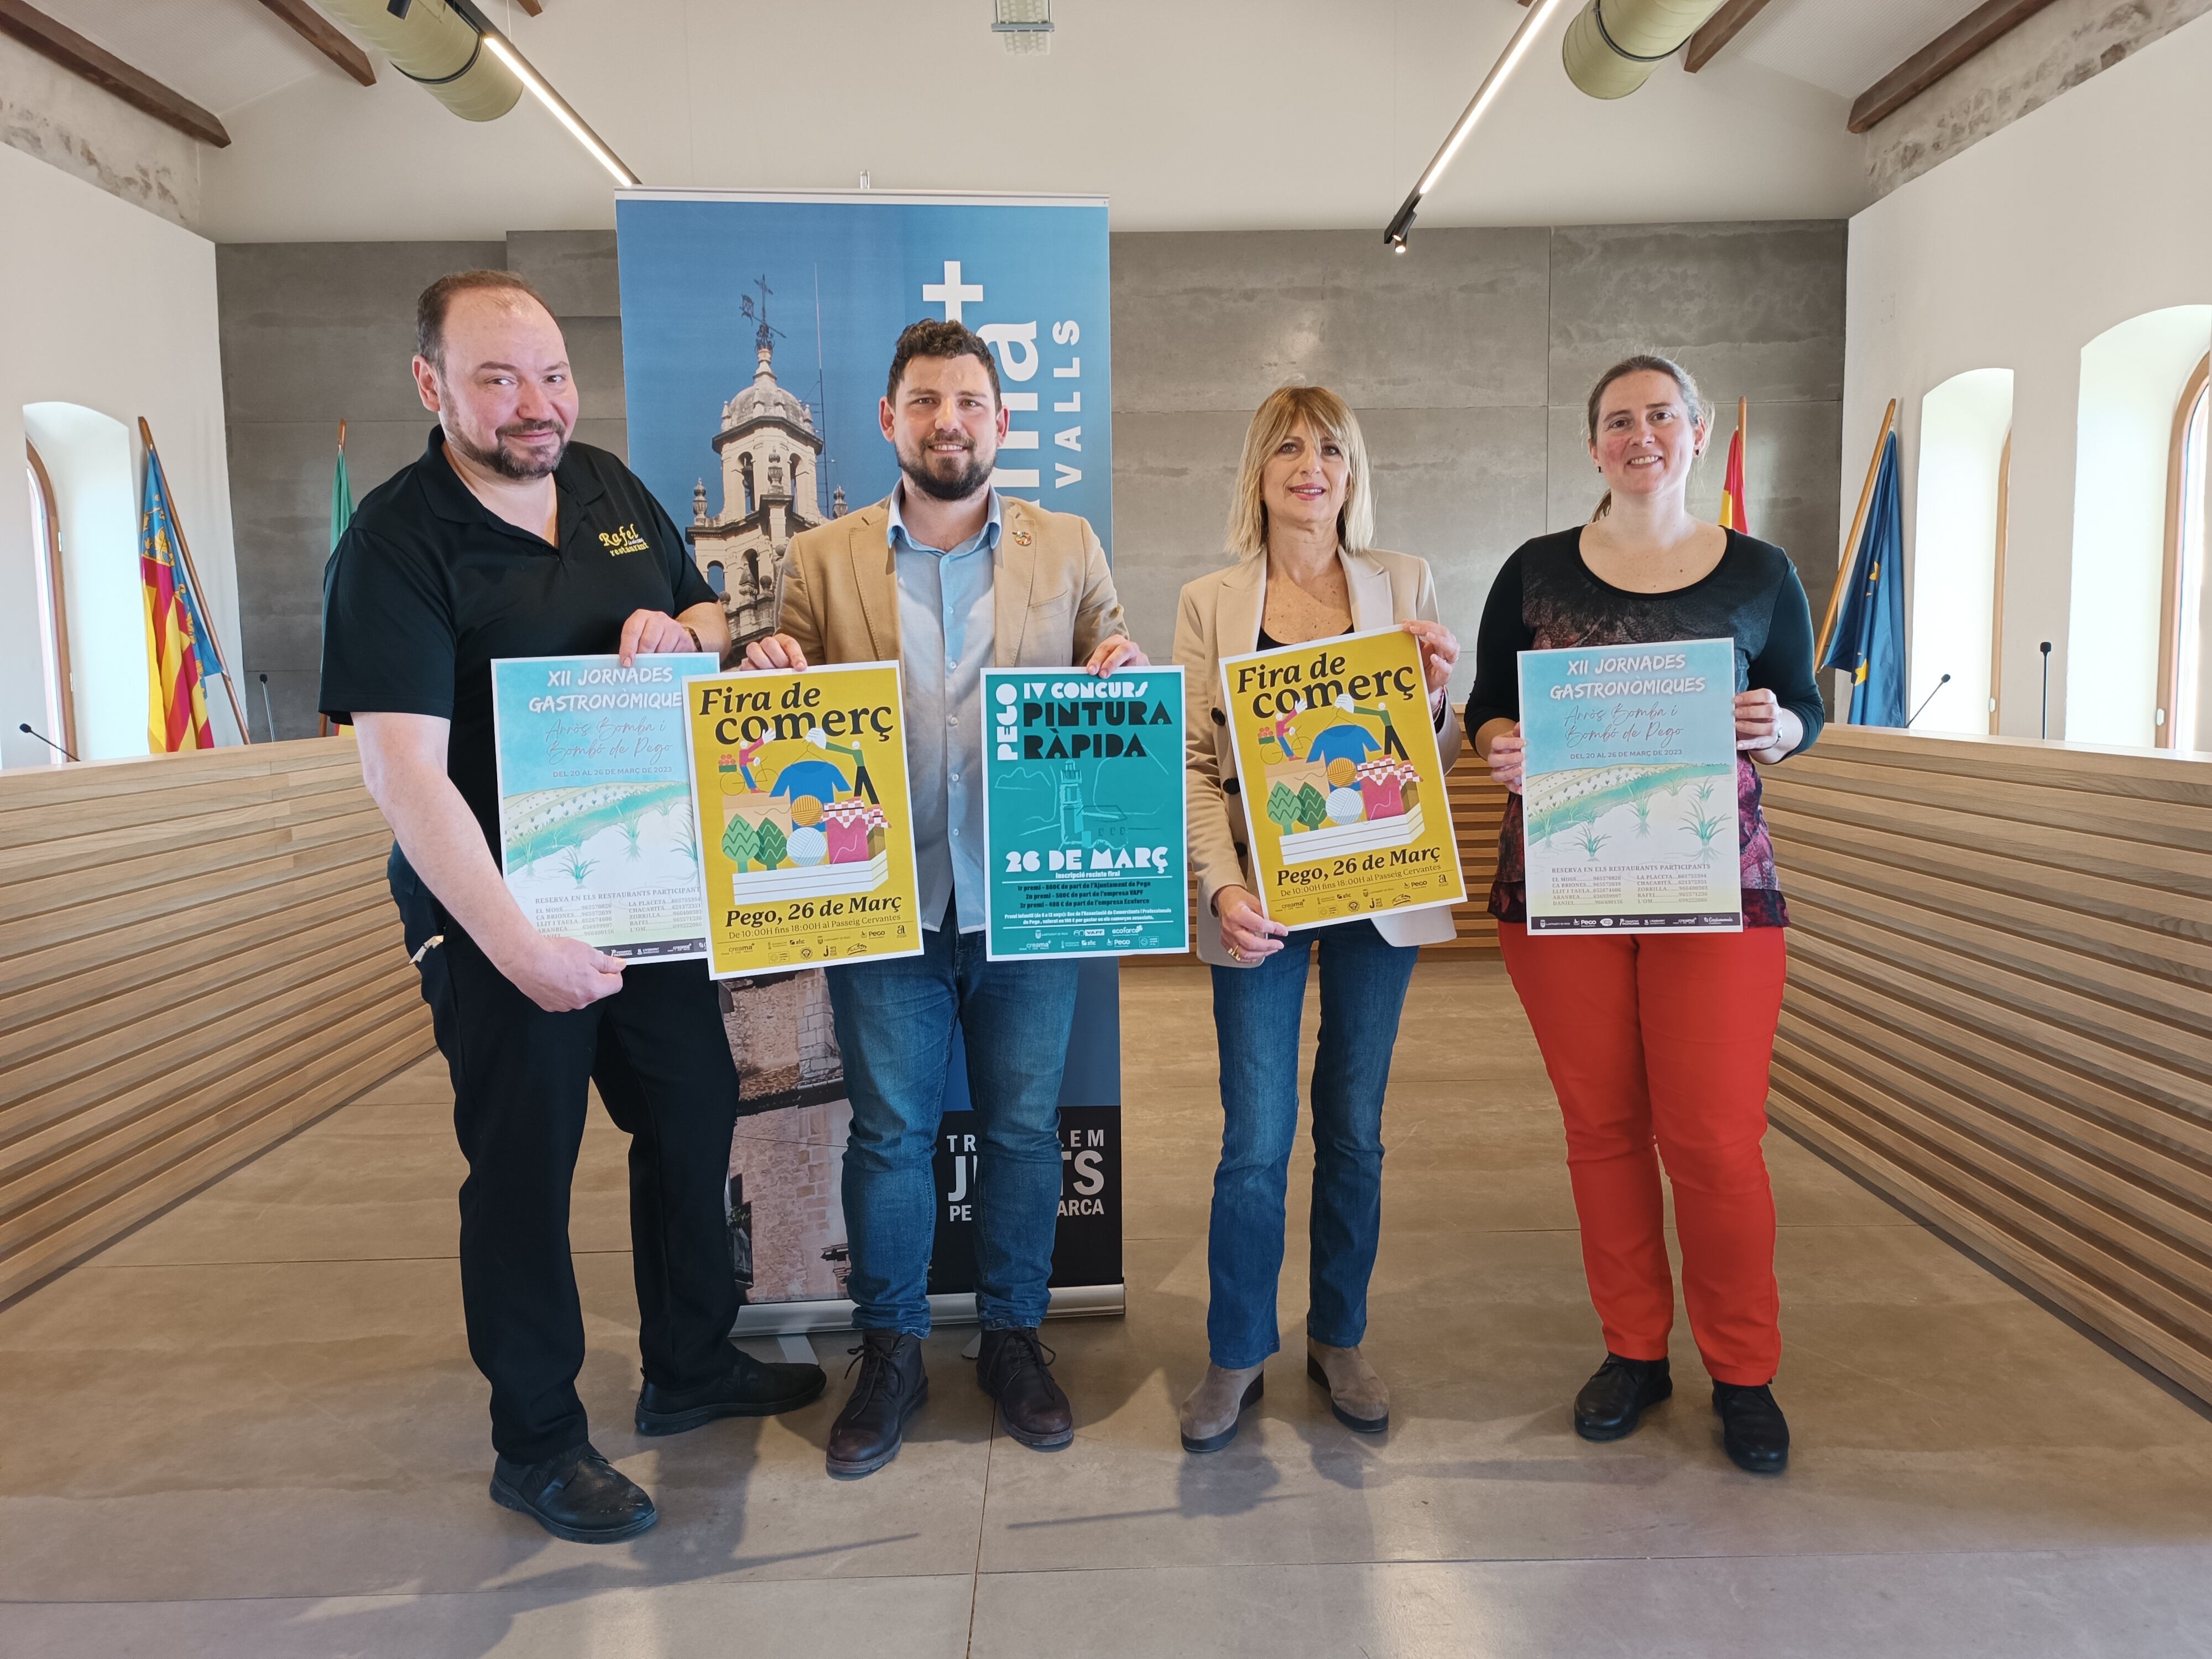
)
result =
(434, 45)
(1612, 48)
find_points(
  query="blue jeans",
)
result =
(895, 1025)
(1256, 1014)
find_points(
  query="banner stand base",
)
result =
(795, 1318)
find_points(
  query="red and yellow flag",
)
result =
(1733, 516)
(176, 712)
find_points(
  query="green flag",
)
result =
(341, 499)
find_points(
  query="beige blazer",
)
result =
(1220, 617)
(1052, 594)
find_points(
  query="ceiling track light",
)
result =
(1401, 222)
(503, 49)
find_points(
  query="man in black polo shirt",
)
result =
(507, 540)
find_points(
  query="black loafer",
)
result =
(1613, 1401)
(892, 1385)
(1753, 1428)
(1015, 1370)
(750, 1388)
(577, 1495)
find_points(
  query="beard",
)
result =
(949, 477)
(518, 464)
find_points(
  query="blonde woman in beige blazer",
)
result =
(1302, 525)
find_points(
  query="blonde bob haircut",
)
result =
(1329, 417)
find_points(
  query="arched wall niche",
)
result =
(87, 456)
(1965, 425)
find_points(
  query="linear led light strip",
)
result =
(503, 50)
(1492, 83)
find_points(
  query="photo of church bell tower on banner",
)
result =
(757, 332)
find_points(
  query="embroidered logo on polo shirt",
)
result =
(625, 540)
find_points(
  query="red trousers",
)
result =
(1666, 1038)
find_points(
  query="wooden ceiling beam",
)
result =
(1718, 30)
(80, 56)
(319, 32)
(1972, 34)
(537, 8)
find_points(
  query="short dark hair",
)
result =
(437, 298)
(934, 337)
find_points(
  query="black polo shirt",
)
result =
(428, 585)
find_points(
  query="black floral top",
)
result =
(1545, 599)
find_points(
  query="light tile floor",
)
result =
(251, 1430)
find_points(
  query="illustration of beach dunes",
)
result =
(544, 823)
(798, 820)
(1557, 801)
(1338, 783)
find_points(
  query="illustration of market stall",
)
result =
(1339, 781)
(800, 817)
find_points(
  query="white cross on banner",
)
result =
(952, 293)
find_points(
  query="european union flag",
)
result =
(1868, 638)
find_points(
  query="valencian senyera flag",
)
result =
(1867, 638)
(177, 713)
(1733, 515)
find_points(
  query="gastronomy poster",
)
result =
(597, 840)
(805, 831)
(1629, 801)
(1337, 756)
(1083, 813)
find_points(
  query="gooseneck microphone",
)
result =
(49, 742)
(2046, 648)
(267, 710)
(1925, 701)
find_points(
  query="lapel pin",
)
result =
(1022, 537)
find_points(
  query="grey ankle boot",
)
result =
(1210, 1414)
(1357, 1395)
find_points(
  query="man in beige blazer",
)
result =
(945, 576)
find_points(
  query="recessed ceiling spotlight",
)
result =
(1025, 25)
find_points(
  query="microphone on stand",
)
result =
(1925, 701)
(49, 742)
(2046, 648)
(267, 710)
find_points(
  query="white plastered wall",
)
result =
(105, 305)
(2016, 254)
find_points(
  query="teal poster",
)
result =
(1084, 813)
(1629, 799)
(597, 839)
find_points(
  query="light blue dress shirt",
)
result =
(947, 631)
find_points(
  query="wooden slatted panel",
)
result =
(2000, 1009)
(198, 957)
(1477, 805)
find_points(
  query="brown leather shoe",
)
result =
(869, 1431)
(1013, 1368)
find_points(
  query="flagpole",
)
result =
(1851, 542)
(199, 591)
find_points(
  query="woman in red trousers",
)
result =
(1660, 1040)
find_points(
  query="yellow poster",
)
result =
(1338, 764)
(805, 835)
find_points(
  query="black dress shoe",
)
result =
(1014, 1369)
(750, 1388)
(1753, 1428)
(577, 1495)
(892, 1383)
(1613, 1401)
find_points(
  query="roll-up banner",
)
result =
(757, 331)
